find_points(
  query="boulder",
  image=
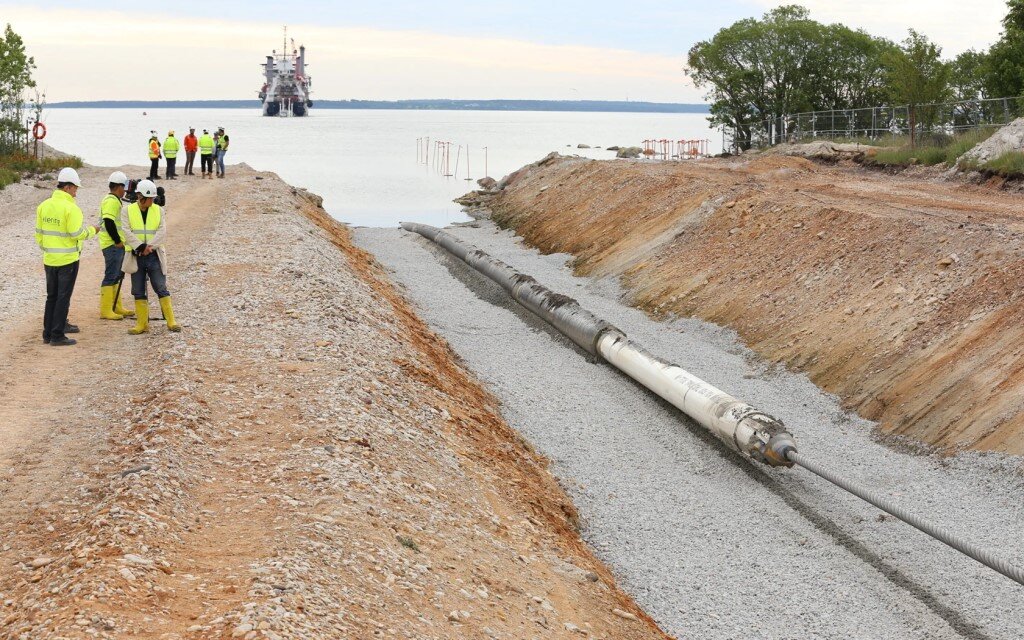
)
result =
(582, 146)
(629, 152)
(487, 183)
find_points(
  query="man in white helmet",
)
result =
(60, 230)
(144, 231)
(112, 244)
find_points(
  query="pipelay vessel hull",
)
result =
(286, 87)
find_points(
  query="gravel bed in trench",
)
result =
(710, 544)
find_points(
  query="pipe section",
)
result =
(737, 424)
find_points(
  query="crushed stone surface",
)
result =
(710, 544)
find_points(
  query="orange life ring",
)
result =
(39, 131)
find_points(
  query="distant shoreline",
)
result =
(408, 105)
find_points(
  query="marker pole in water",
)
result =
(458, 156)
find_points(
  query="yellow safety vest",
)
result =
(154, 148)
(171, 147)
(223, 143)
(206, 145)
(60, 229)
(144, 231)
(110, 209)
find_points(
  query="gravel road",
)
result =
(711, 545)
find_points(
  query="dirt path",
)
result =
(304, 460)
(899, 294)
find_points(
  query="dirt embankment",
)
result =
(305, 460)
(903, 296)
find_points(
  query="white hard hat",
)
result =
(67, 174)
(118, 177)
(146, 189)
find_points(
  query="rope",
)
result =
(965, 547)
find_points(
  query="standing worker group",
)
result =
(212, 150)
(171, 154)
(191, 144)
(60, 230)
(154, 156)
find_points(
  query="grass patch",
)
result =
(884, 141)
(15, 166)
(935, 151)
(1007, 165)
(408, 543)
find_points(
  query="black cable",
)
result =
(965, 547)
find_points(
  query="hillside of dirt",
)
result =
(306, 459)
(902, 295)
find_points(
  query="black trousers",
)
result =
(60, 284)
(154, 168)
(170, 167)
(206, 160)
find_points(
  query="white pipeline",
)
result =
(735, 423)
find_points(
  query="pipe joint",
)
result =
(766, 439)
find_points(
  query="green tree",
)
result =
(919, 78)
(16, 69)
(758, 71)
(1004, 64)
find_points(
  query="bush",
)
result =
(16, 165)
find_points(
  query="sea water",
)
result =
(373, 167)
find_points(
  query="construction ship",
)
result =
(286, 86)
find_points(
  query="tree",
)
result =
(15, 77)
(1004, 64)
(758, 71)
(919, 78)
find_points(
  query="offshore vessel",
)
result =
(286, 87)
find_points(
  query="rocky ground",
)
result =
(901, 294)
(305, 460)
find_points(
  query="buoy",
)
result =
(39, 131)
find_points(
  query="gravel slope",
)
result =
(710, 545)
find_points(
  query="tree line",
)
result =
(757, 71)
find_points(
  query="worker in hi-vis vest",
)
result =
(144, 231)
(111, 240)
(171, 155)
(154, 156)
(60, 230)
(206, 154)
(222, 149)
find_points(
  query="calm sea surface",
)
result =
(364, 163)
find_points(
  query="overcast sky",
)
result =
(551, 49)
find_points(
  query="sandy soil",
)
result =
(305, 460)
(902, 295)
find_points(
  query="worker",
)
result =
(171, 154)
(144, 231)
(222, 148)
(60, 229)
(111, 240)
(154, 156)
(206, 154)
(191, 144)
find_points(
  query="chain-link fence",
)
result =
(875, 123)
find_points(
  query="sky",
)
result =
(397, 49)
